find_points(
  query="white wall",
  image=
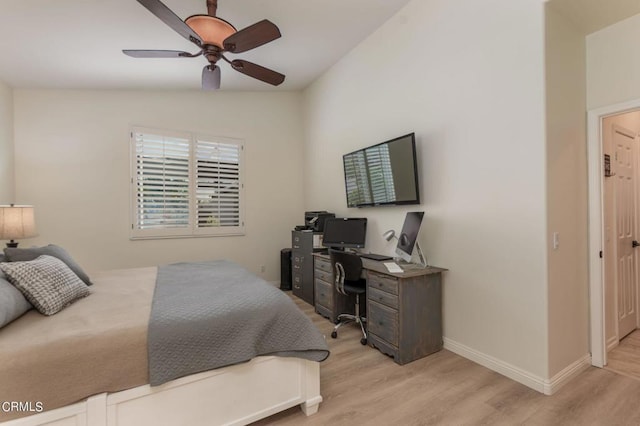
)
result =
(468, 78)
(613, 65)
(566, 192)
(6, 145)
(72, 163)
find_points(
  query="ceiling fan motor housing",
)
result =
(212, 30)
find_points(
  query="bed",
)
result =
(89, 365)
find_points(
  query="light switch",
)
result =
(556, 240)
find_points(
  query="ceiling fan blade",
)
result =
(257, 71)
(253, 36)
(211, 77)
(171, 19)
(157, 54)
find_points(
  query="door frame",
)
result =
(596, 225)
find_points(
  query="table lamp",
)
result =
(16, 222)
(389, 235)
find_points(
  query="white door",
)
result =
(625, 207)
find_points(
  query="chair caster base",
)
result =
(363, 341)
(334, 334)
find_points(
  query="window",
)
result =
(185, 185)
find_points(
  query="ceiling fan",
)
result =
(214, 36)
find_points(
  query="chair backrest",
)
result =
(350, 263)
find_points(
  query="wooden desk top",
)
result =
(378, 266)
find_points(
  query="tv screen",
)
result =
(345, 232)
(383, 174)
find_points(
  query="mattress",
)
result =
(96, 345)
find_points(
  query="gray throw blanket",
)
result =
(208, 315)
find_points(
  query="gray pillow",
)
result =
(47, 282)
(23, 254)
(12, 302)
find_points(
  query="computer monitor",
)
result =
(409, 234)
(344, 232)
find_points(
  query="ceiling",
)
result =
(78, 43)
(593, 15)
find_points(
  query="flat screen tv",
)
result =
(385, 174)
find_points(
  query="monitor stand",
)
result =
(413, 265)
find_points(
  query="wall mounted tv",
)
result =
(385, 174)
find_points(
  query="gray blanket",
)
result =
(213, 314)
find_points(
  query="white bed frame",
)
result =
(234, 395)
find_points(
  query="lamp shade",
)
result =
(389, 234)
(17, 222)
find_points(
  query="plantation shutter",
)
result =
(161, 181)
(218, 184)
(183, 185)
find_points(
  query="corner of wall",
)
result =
(566, 192)
(7, 178)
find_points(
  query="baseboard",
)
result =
(563, 377)
(612, 343)
(519, 375)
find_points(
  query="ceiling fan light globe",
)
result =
(211, 77)
(212, 30)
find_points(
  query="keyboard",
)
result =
(373, 256)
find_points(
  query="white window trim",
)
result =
(192, 231)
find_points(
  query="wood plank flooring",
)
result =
(361, 386)
(625, 358)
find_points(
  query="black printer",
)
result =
(314, 220)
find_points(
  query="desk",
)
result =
(403, 310)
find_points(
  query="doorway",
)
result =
(613, 227)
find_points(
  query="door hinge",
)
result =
(600, 254)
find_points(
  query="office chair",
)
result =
(348, 268)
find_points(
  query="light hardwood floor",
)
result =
(361, 386)
(625, 358)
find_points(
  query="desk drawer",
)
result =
(383, 321)
(322, 275)
(382, 282)
(297, 281)
(297, 258)
(382, 297)
(322, 264)
(324, 294)
(301, 241)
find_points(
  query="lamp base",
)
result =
(12, 244)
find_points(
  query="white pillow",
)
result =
(47, 282)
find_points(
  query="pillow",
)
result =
(22, 254)
(46, 282)
(12, 302)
